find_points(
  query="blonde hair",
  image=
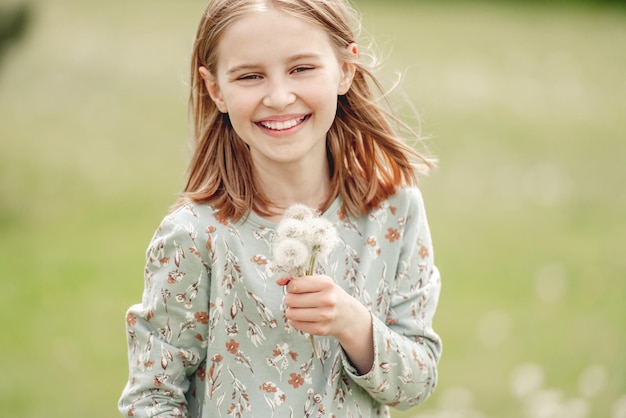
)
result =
(368, 160)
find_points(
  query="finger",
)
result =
(313, 328)
(283, 281)
(307, 315)
(303, 300)
(308, 320)
(309, 284)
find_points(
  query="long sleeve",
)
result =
(166, 333)
(407, 350)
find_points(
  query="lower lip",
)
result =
(284, 132)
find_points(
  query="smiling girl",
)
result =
(284, 113)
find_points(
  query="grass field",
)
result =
(525, 107)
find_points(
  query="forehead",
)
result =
(270, 34)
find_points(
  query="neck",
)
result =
(286, 186)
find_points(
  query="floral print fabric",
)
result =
(209, 338)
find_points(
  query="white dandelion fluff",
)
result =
(321, 236)
(300, 212)
(291, 228)
(290, 256)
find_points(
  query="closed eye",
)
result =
(302, 68)
(249, 77)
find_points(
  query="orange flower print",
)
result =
(199, 337)
(210, 229)
(202, 317)
(371, 241)
(423, 252)
(174, 277)
(269, 387)
(217, 358)
(165, 260)
(201, 373)
(296, 380)
(261, 260)
(131, 319)
(232, 346)
(393, 210)
(392, 234)
(342, 214)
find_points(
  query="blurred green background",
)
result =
(524, 103)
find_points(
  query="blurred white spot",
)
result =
(505, 181)
(526, 379)
(618, 410)
(493, 328)
(545, 404)
(574, 408)
(550, 404)
(456, 398)
(546, 184)
(551, 282)
(457, 402)
(470, 413)
(593, 380)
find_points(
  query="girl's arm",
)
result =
(406, 348)
(404, 371)
(166, 333)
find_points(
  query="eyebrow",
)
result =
(248, 67)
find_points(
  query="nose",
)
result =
(279, 94)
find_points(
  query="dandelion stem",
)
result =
(311, 269)
(309, 272)
(317, 353)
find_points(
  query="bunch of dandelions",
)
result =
(302, 238)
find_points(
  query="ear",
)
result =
(213, 88)
(348, 70)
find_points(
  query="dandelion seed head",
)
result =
(290, 256)
(301, 237)
(321, 236)
(291, 228)
(300, 212)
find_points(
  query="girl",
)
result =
(284, 113)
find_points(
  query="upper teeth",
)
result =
(279, 126)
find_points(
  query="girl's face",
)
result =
(278, 78)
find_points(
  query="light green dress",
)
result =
(210, 340)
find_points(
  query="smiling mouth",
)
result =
(282, 125)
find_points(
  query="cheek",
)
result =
(326, 105)
(241, 105)
(240, 118)
(321, 97)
